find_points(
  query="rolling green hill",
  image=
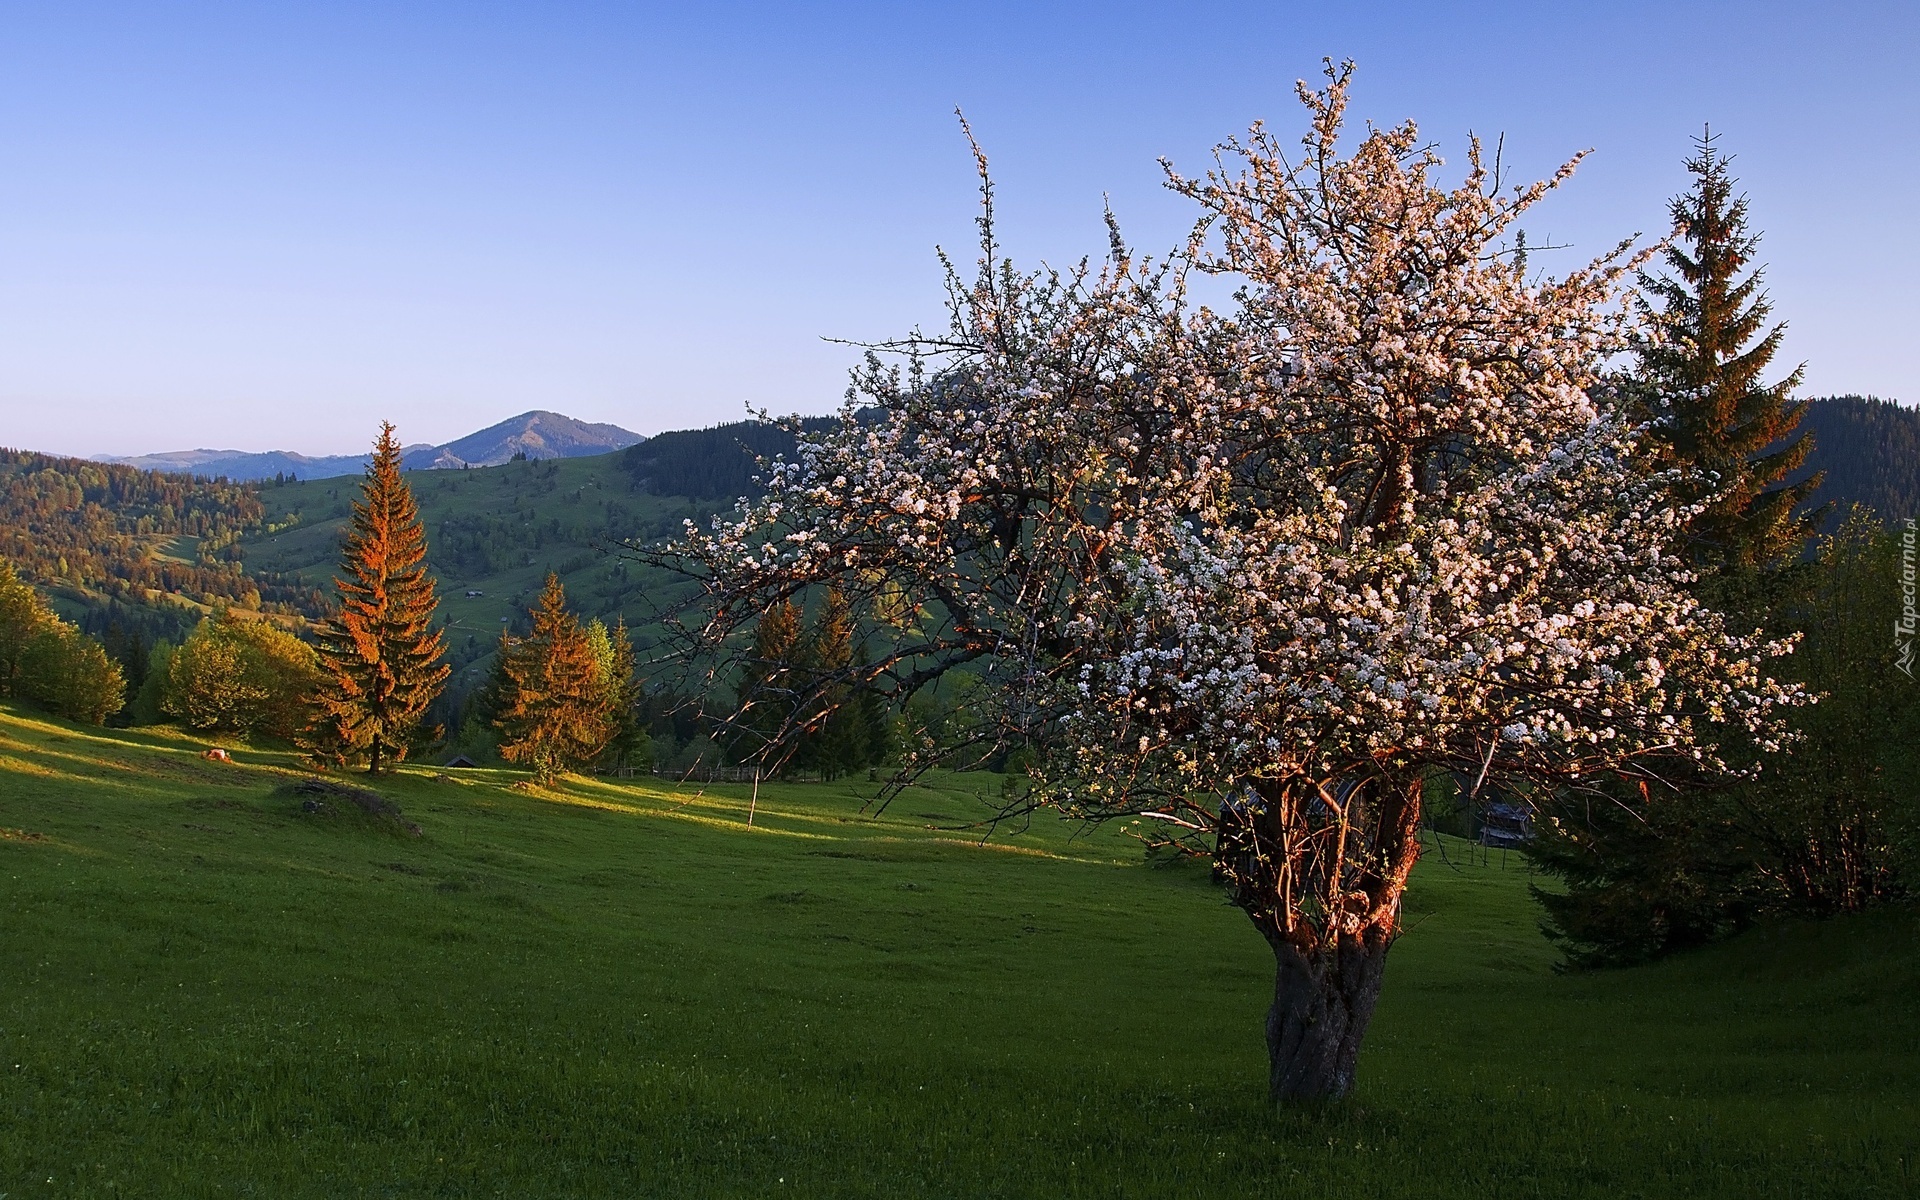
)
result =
(620, 989)
(497, 531)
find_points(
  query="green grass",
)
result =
(617, 989)
(496, 530)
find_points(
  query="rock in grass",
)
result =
(324, 797)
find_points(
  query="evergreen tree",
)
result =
(148, 702)
(495, 696)
(380, 656)
(875, 721)
(837, 736)
(1704, 382)
(627, 742)
(1646, 874)
(554, 717)
(772, 681)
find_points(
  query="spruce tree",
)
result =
(773, 679)
(1705, 382)
(837, 738)
(380, 657)
(1642, 874)
(620, 699)
(555, 715)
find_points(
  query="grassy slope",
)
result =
(618, 989)
(592, 499)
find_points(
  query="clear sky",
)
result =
(268, 226)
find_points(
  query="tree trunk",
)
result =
(1321, 1005)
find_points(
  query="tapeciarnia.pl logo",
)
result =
(1903, 629)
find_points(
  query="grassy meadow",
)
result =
(618, 988)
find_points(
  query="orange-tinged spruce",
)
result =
(557, 716)
(1722, 418)
(381, 655)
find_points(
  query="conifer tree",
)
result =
(1705, 376)
(1642, 879)
(380, 657)
(837, 741)
(620, 696)
(555, 716)
(772, 680)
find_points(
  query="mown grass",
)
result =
(617, 989)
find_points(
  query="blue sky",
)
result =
(271, 225)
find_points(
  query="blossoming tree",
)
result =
(1253, 578)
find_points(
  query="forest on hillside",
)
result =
(719, 463)
(117, 541)
(1870, 451)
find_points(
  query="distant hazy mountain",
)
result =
(535, 434)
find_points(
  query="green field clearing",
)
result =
(617, 989)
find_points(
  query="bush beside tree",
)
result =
(1825, 828)
(48, 662)
(234, 675)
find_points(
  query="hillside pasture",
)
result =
(497, 531)
(619, 988)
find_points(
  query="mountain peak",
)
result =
(536, 434)
(539, 434)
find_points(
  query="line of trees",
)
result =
(801, 692)
(562, 699)
(48, 662)
(1833, 825)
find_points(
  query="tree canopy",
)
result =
(1736, 437)
(1251, 576)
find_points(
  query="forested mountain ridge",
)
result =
(102, 534)
(108, 536)
(1870, 451)
(717, 463)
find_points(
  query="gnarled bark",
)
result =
(1322, 1003)
(1320, 868)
